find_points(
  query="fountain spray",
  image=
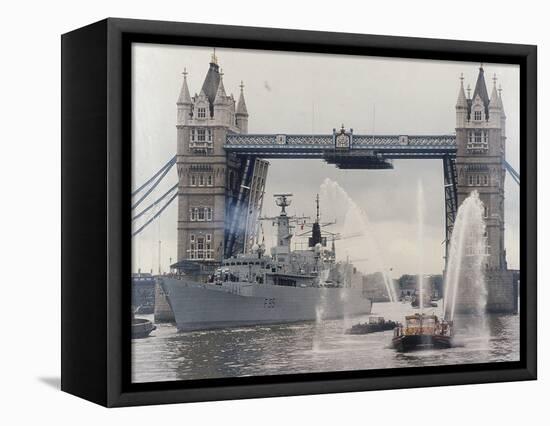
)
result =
(420, 242)
(465, 287)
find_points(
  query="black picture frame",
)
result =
(96, 117)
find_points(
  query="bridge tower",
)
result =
(208, 179)
(480, 165)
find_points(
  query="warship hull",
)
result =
(199, 306)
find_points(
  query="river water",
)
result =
(311, 347)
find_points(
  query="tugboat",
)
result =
(422, 331)
(374, 325)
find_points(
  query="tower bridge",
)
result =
(222, 171)
(357, 152)
(324, 146)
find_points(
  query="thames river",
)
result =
(312, 347)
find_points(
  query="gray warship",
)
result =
(286, 286)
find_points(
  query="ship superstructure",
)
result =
(283, 286)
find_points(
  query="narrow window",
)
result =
(209, 135)
(477, 137)
(208, 247)
(200, 247)
(201, 180)
(209, 213)
(193, 180)
(193, 215)
(485, 180)
(201, 214)
(470, 180)
(210, 181)
(477, 180)
(192, 246)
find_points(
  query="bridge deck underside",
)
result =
(364, 152)
(318, 146)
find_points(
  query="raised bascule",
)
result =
(222, 172)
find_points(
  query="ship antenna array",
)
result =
(283, 201)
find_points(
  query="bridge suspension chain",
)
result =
(169, 164)
(163, 172)
(158, 200)
(153, 182)
(141, 228)
(512, 171)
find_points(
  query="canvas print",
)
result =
(301, 213)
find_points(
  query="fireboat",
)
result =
(422, 331)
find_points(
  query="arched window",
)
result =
(201, 180)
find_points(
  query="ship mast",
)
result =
(284, 224)
(318, 234)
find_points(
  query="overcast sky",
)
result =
(313, 93)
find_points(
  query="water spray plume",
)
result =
(420, 204)
(465, 287)
(356, 222)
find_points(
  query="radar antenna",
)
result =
(283, 201)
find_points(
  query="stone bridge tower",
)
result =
(481, 149)
(207, 178)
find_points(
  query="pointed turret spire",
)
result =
(481, 90)
(461, 102)
(494, 102)
(212, 80)
(241, 106)
(500, 104)
(220, 93)
(214, 58)
(184, 98)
